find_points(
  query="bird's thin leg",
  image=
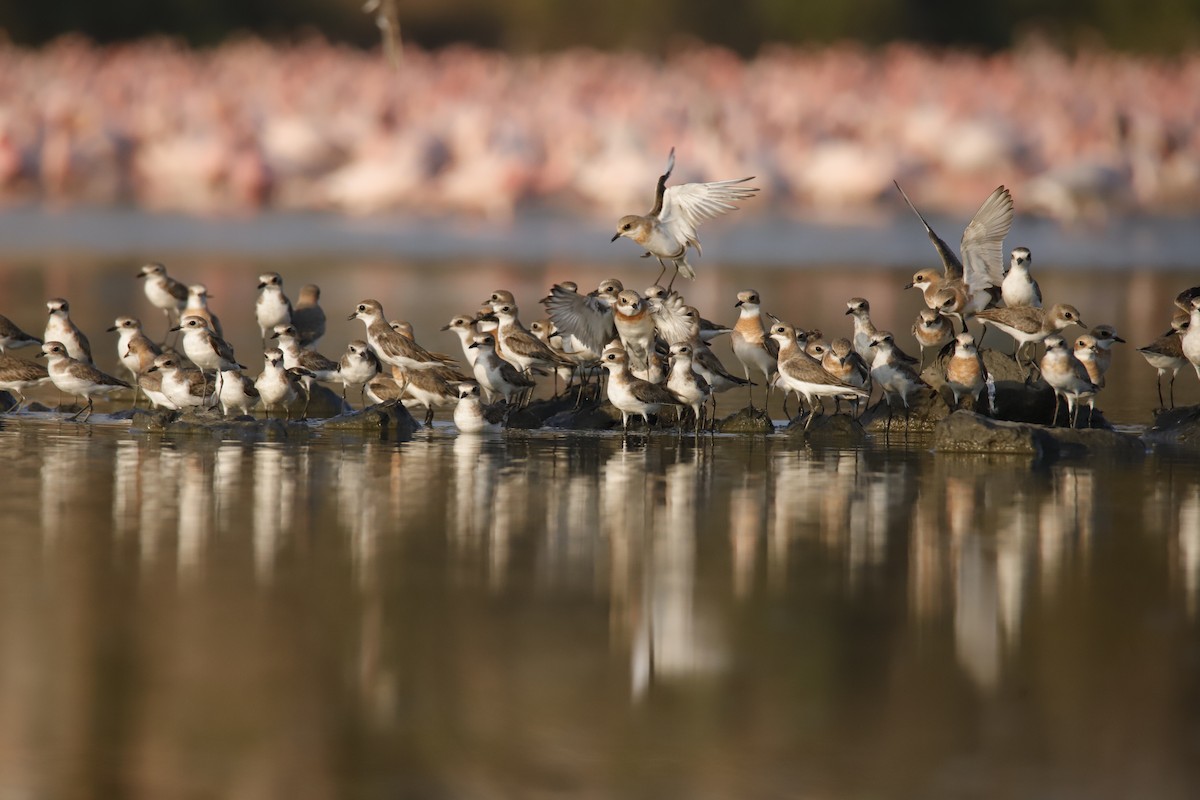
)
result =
(429, 417)
(983, 329)
(1171, 389)
(1158, 386)
(1054, 419)
(662, 272)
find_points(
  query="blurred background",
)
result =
(1086, 109)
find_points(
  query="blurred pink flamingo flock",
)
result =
(314, 125)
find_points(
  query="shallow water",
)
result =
(542, 615)
(586, 616)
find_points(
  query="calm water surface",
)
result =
(552, 616)
(542, 616)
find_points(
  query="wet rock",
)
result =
(838, 430)
(1001, 366)
(209, 422)
(7, 401)
(1176, 427)
(927, 408)
(590, 416)
(747, 420)
(324, 403)
(390, 420)
(967, 432)
(1073, 442)
(1018, 402)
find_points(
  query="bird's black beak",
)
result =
(110, 330)
(142, 274)
(1119, 339)
(738, 304)
(262, 285)
(473, 345)
(445, 327)
(176, 328)
(39, 355)
(849, 311)
(274, 335)
(907, 286)
(352, 316)
(615, 237)
(152, 369)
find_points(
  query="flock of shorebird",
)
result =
(653, 345)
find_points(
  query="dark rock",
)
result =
(748, 420)
(828, 429)
(1001, 366)
(390, 420)
(324, 403)
(927, 408)
(590, 417)
(1017, 401)
(209, 422)
(7, 401)
(1096, 441)
(967, 432)
(1178, 427)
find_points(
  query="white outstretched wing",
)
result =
(687, 205)
(586, 318)
(982, 246)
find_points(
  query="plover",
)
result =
(1029, 324)
(932, 331)
(272, 306)
(78, 378)
(164, 292)
(1165, 354)
(465, 328)
(470, 415)
(150, 384)
(499, 376)
(237, 392)
(751, 345)
(197, 306)
(12, 337)
(389, 346)
(135, 349)
(1191, 339)
(630, 395)
(670, 228)
(17, 375)
(635, 328)
(588, 319)
(804, 375)
(1067, 377)
(1106, 336)
(893, 375)
(1018, 287)
(205, 349)
(308, 316)
(709, 330)
(520, 347)
(183, 387)
(980, 271)
(277, 386)
(60, 328)
(357, 366)
(842, 362)
(430, 388)
(864, 329)
(1087, 350)
(294, 355)
(688, 386)
(965, 373)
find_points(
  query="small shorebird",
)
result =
(358, 366)
(431, 388)
(294, 355)
(895, 376)
(308, 316)
(1088, 351)
(965, 373)
(78, 378)
(688, 386)
(932, 331)
(631, 395)
(164, 292)
(391, 347)
(197, 306)
(517, 345)
(751, 345)
(272, 306)
(135, 349)
(12, 337)
(1067, 377)
(205, 349)
(635, 327)
(150, 383)
(670, 228)
(1018, 287)
(974, 280)
(657, 295)
(498, 376)
(17, 375)
(182, 387)
(587, 319)
(1191, 339)
(864, 329)
(842, 362)
(278, 387)
(1106, 336)
(1165, 354)
(465, 328)
(470, 415)
(237, 392)
(801, 373)
(1029, 324)
(60, 328)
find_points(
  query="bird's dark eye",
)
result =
(625, 227)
